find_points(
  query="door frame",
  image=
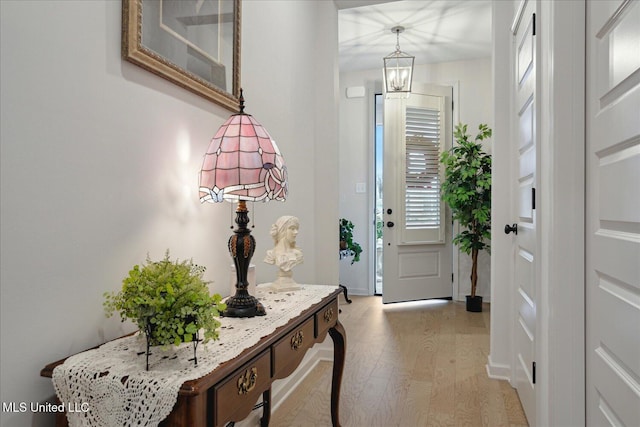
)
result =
(562, 391)
(560, 349)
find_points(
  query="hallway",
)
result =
(412, 364)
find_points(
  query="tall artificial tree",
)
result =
(467, 191)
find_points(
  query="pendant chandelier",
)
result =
(398, 70)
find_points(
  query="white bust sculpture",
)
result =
(285, 254)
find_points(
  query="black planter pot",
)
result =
(474, 304)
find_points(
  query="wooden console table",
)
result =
(230, 392)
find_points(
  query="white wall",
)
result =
(474, 105)
(100, 161)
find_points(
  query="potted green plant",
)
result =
(347, 244)
(467, 191)
(169, 302)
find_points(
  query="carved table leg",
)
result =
(339, 338)
(61, 419)
(266, 408)
(344, 291)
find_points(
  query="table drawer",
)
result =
(289, 351)
(326, 318)
(234, 399)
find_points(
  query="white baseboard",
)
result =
(358, 292)
(498, 371)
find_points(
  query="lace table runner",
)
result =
(109, 386)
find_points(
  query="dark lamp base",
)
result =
(243, 306)
(241, 248)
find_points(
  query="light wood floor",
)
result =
(408, 365)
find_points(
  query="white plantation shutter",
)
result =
(422, 179)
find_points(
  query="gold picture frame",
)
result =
(192, 43)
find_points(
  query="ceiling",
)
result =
(435, 31)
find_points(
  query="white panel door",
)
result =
(417, 248)
(613, 213)
(524, 182)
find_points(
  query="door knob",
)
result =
(390, 224)
(509, 228)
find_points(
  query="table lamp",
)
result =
(242, 164)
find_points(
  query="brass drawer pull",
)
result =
(247, 381)
(328, 315)
(296, 340)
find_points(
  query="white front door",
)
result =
(417, 249)
(613, 213)
(524, 181)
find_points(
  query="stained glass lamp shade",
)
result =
(242, 164)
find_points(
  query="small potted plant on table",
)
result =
(467, 191)
(169, 302)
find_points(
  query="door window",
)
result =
(422, 168)
(423, 212)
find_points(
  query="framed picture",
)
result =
(193, 43)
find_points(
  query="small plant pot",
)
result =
(474, 304)
(152, 341)
(195, 341)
